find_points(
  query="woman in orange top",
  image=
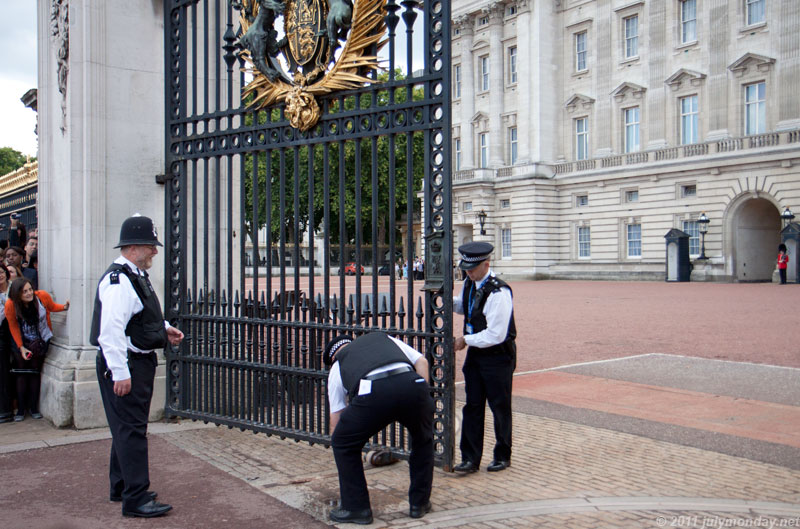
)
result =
(28, 315)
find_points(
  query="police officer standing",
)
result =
(489, 334)
(384, 380)
(128, 326)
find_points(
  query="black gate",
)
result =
(284, 231)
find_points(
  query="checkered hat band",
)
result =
(475, 258)
(338, 345)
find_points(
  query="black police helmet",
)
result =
(474, 253)
(138, 230)
(334, 345)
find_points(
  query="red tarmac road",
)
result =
(567, 322)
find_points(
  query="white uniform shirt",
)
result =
(497, 310)
(337, 394)
(120, 304)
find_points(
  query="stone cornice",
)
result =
(625, 88)
(586, 102)
(741, 65)
(675, 80)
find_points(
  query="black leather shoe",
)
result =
(498, 465)
(467, 467)
(118, 497)
(363, 517)
(151, 509)
(418, 511)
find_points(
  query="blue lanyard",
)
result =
(475, 288)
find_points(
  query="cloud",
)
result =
(17, 74)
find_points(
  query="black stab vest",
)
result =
(478, 318)
(146, 328)
(364, 354)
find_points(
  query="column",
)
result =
(657, 104)
(496, 86)
(788, 67)
(718, 75)
(101, 144)
(524, 85)
(466, 24)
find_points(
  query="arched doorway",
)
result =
(756, 235)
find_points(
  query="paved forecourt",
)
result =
(602, 437)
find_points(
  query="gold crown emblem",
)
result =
(313, 32)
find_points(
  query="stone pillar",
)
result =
(467, 25)
(718, 82)
(524, 81)
(496, 86)
(602, 130)
(788, 67)
(657, 93)
(545, 108)
(101, 144)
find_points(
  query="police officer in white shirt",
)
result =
(384, 381)
(489, 333)
(128, 326)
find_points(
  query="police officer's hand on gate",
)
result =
(174, 335)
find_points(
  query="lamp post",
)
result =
(482, 220)
(703, 221)
(787, 216)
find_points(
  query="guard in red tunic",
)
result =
(783, 262)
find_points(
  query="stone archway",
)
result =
(756, 228)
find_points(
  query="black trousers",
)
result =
(487, 377)
(782, 274)
(404, 398)
(129, 474)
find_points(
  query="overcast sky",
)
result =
(18, 42)
(17, 74)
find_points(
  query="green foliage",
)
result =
(10, 160)
(283, 222)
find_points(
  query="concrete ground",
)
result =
(636, 405)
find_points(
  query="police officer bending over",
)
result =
(128, 326)
(384, 380)
(489, 332)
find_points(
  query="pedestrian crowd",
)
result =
(25, 327)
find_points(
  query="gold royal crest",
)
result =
(313, 31)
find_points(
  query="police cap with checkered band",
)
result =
(474, 253)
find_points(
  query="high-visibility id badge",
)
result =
(469, 328)
(365, 387)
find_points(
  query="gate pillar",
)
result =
(100, 148)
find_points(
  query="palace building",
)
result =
(585, 130)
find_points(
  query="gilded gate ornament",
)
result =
(313, 31)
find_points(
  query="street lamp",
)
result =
(482, 220)
(787, 216)
(703, 221)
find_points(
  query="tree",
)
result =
(10, 160)
(286, 224)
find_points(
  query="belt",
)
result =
(390, 373)
(142, 355)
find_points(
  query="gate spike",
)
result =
(189, 300)
(384, 308)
